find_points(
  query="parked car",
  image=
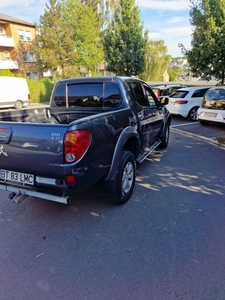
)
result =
(212, 108)
(186, 101)
(166, 89)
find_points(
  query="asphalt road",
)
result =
(167, 242)
(211, 131)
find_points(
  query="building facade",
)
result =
(17, 44)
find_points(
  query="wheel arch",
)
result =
(128, 141)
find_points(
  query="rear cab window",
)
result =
(105, 94)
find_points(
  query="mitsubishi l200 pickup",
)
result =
(93, 132)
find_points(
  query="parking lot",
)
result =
(209, 133)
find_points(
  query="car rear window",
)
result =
(179, 94)
(88, 95)
(214, 99)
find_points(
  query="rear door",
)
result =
(157, 114)
(146, 111)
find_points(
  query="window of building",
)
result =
(28, 56)
(33, 75)
(7, 54)
(28, 36)
(2, 31)
(24, 35)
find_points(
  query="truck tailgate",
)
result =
(25, 147)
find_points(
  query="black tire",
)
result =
(18, 104)
(125, 179)
(165, 137)
(192, 115)
(204, 122)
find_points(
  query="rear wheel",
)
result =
(125, 179)
(18, 104)
(192, 116)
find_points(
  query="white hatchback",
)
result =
(186, 101)
(212, 108)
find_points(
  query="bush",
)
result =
(40, 91)
(6, 72)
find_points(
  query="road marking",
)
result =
(184, 124)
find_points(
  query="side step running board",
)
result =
(148, 151)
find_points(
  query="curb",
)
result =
(199, 137)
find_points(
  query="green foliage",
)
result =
(157, 61)
(172, 74)
(5, 72)
(206, 57)
(84, 24)
(124, 42)
(56, 46)
(69, 43)
(40, 91)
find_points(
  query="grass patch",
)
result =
(220, 140)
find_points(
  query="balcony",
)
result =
(9, 64)
(6, 41)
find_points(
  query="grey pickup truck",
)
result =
(93, 132)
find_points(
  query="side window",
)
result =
(171, 90)
(202, 92)
(199, 93)
(150, 96)
(139, 93)
(111, 95)
(60, 95)
(196, 94)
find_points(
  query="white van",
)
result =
(14, 92)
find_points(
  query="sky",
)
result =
(165, 20)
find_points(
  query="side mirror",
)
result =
(163, 101)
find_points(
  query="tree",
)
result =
(206, 57)
(172, 74)
(85, 26)
(55, 43)
(124, 42)
(157, 61)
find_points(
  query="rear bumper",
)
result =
(20, 193)
(211, 115)
(178, 110)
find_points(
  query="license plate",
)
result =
(211, 115)
(12, 176)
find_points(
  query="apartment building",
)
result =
(17, 40)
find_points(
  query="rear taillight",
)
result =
(75, 144)
(181, 102)
(4, 130)
(159, 94)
